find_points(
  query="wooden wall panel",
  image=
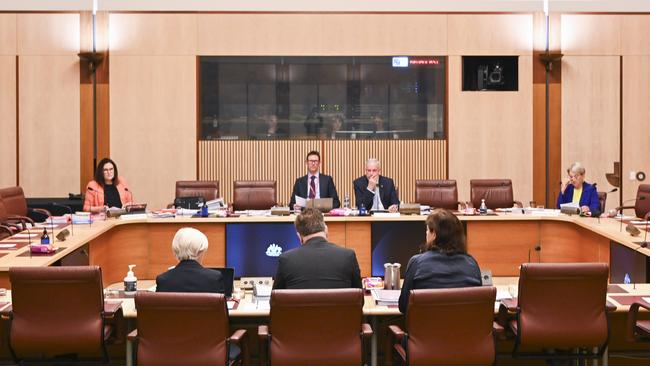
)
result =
(636, 114)
(153, 34)
(405, 161)
(48, 34)
(491, 133)
(282, 161)
(490, 34)
(153, 123)
(7, 120)
(8, 34)
(49, 125)
(591, 34)
(634, 35)
(590, 117)
(322, 34)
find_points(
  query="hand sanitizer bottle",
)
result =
(45, 239)
(204, 210)
(346, 201)
(130, 281)
(483, 209)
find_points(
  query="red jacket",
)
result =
(95, 194)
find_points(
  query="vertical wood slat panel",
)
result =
(403, 160)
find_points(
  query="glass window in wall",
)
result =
(369, 97)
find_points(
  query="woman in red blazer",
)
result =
(108, 189)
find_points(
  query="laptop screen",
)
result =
(228, 275)
(252, 249)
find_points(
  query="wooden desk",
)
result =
(500, 243)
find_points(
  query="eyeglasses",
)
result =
(313, 161)
(109, 170)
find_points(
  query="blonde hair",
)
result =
(189, 243)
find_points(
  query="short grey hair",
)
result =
(189, 243)
(373, 161)
(577, 168)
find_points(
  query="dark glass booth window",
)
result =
(378, 97)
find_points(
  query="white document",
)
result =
(300, 202)
(4, 246)
(503, 294)
(569, 205)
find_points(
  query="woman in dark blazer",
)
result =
(189, 247)
(444, 263)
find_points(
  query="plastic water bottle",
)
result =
(483, 209)
(346, 201)
(626, 279)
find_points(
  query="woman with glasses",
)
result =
(107, 190)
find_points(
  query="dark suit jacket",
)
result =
(318, 264)
(387, 192)
(589, 197)
(190, 276)
(326, 186)
(433, 269)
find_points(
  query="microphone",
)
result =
(619, 209)
(70, 211)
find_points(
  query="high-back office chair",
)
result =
(496, 192)
(189, 329)
(59, 312)
(641, 206)
(254, 194)
(602, 200)
(315, 327)
(448, 327)
(5, 232)
(561, 306)
(208, 189)
(16, 204)
(638, 330)
(437, 193)
(12, 222)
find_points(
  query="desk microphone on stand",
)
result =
(619, 209)
(70, 211)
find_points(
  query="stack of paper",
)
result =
(385, 297)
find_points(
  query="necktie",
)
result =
(312, 187)
(376, 202)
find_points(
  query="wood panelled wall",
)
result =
(8, 162)
(283, 161)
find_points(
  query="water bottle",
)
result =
(396, 276)
(45, 239)
(483, 209)
(626, 279)
(388, 276)
(362, 210)
(204, 210)
(346, 201)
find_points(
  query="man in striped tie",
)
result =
(314, 184)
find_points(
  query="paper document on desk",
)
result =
(300, 202)
(646, 299)
(638, 222)
(385, 297)
(503, 294)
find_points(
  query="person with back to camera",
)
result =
(107, 189)
(444, 262)
(189, 246)
(576, 190)
(317, 263)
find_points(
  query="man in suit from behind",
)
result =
(314, 184)
(317, 263)
(374, 191)
(189, 246)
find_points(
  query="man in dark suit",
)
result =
(374, 191)
(189, 246)
(314, 184)
(317, 264)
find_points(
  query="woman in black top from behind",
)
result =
(444, 263)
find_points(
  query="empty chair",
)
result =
(208, 189)
(561, 307)
(642, 205)
(315, 327)
(437, 193)
(602, 200)
(12, 222)
(58, 313)
(254, 194)
(190, 329)
(16, 204)
(496, 192)
(638, 329)
(447, 327)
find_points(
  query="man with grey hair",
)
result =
(189, 246)
(577, 191)
(374, 191)
(317, 263)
